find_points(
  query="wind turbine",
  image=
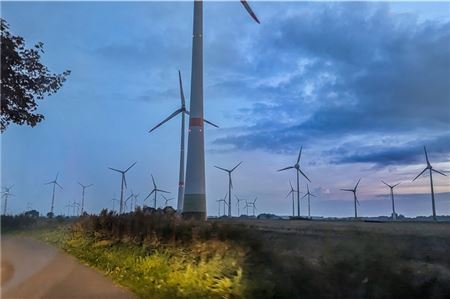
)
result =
(166, 200)
(224, 200)
(238, 203)
(296, 166)
(113, 200)
(55, 183)
(7, 193)
(394, 214)
(309, 194)
(230, 184)
(253, 205)
(132, 197)
(354, 197)
(82, 195)
(430, 168)
(194, 204)
(183, 112)
(123, 183)
(68, 206)
(76, 205)
(155, 191)
(291, 192)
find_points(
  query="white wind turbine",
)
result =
(356, 202)
(123, 184)
(394, 214)
(6, 194)
(296, 166)
(155, 191)
(251, 204)
(194, 204)
(82, 195)
(224, 200)
(431, 169)
(114, 199)
(309, 194)
(238, 203)
(166, 200)
(55, 183)
(230, 184)
(291, 192)
(183, 111)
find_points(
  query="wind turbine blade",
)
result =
(439, 172)
(49, 183)
(290, 183)
(312, 195)
(304, 175)
(59, 185)
(129, 197)
(56, 178)
(299, 154)
(130, 166)
(80, 184)
(254, 201)
(250, 11)
(89, 185)
(115, 169)
(288, 194)
(236, 166)
(162, 191)
(231, 181)
(285, 168)
(426, 155)
(183, 101)
(396, 185)
(419, 174)
(124, 180)
(307, 188)
(304, 195)
(222, 168)
(357, 183)
(166, 119)
(210, 123)
(347, 190)
(154, 184)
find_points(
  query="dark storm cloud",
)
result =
(347, 69)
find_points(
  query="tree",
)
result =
(24, 79)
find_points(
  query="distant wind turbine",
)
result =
(224, 200)
(82, 195)
(133, 198)
(230, 184)
(394, 214)
(6, 194)
(166, 200)
(296, 166)
(55, 183)
(309, 194)
(183, 112)
(238, 203)
(68, 206)
(252, 204)
(155, 191)
(123, 183)
(114, 199)
(194, 204)
(354, 197)
(291, 192)
(431, 169)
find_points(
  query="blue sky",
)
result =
(362, 86)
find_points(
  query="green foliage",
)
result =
(24, 79)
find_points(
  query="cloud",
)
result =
(330, 73)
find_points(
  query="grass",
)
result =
(162, 256)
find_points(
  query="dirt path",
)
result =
(33, 269)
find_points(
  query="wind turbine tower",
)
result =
(195, 196)
(296, 166)
(238, 203)
(54, 183)
(431, 169)
(356, 202)
(230, 184)
(183, 112)
(394, 214)
(82, 195)
(123, 183)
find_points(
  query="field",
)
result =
(162, 256)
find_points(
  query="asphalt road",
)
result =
(33, 269)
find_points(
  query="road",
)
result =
(33, 269)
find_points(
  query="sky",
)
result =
(361, 86)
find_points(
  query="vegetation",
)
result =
(24, 79)
(157, 255)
